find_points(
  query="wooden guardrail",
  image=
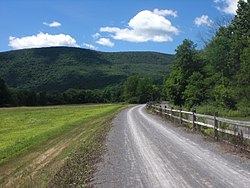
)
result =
(226, 129)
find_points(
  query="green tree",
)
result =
(195, 92)
(241, 22)
(175, 86)
(144, 91)
(217, 53)
(5, 96)
(186, 58)
(130, 89)
(224, 96)
(244, 79)
(185, 64)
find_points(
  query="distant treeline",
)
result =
(134, 90)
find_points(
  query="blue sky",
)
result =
(108, 25)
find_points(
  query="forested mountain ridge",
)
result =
(61, 68)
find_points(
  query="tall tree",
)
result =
(145, 90)
(244, 79)
(130, 89)
(185, 64)
(241, 22)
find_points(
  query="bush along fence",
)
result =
(222, 129)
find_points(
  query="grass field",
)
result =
(26, 130)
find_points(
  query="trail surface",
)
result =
(145, 151)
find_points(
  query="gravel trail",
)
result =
(145, 151)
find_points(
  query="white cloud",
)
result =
(96, 35)
(105, 42)
(143, 27)
(203, 20)
(165, 12)
(227, 6)
(89, 46)
(53, 24)
(42, 40)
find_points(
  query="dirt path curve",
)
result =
(145, 151)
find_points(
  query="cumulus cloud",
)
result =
(53, 24)
(227, 6)
(105, 42)
(96, 35)
(145, 26)
(203, 20)
(42, 40)
(89, 46)
(165, 12)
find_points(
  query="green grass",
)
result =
(241, 114)
(79, 168)
(24, 128)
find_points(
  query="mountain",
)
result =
(60, 68)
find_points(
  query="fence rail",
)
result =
(225, 129)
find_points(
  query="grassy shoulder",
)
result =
(242, 114)
(52, 146)
(79, 167)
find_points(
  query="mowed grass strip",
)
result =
(24, 128)
(79, 168)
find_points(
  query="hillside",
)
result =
(60, 68)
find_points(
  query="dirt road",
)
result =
(145, 151)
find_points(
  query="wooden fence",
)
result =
(236, 132)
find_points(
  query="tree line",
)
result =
(133, 90)
(217, 75)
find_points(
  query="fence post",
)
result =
(180, 116)
(169, 111)
(194, 118)
(216, 126)
(160, 110)
(172, 113)
(240, 138)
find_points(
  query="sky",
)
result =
(109, 25)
